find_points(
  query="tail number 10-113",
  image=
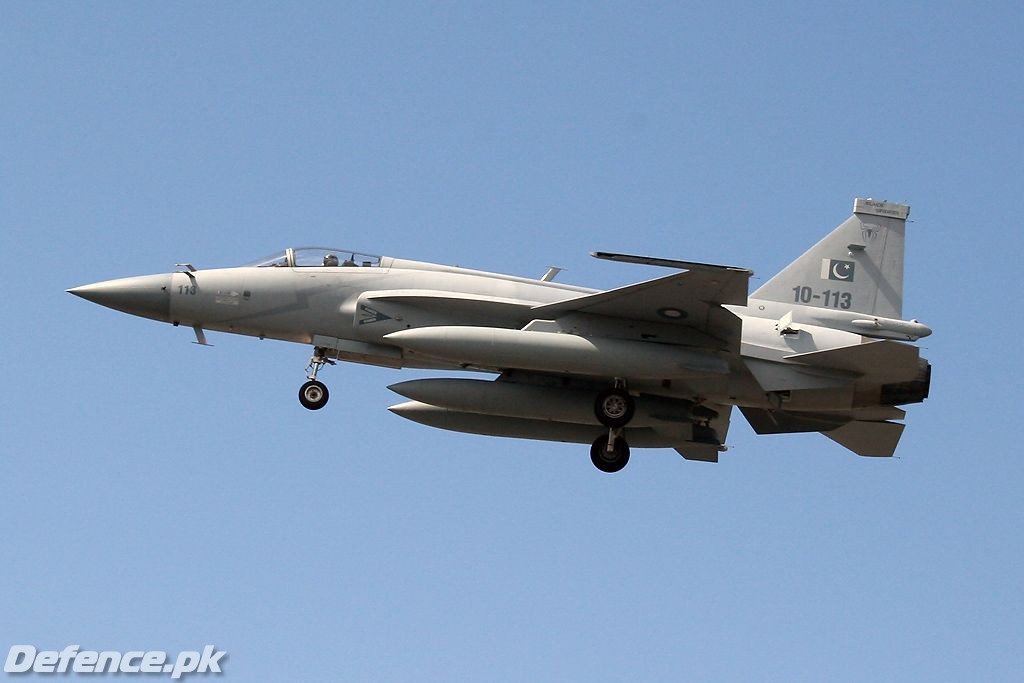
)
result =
(829, 297)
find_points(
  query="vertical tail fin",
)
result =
(862, 260)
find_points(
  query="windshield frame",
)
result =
(331, 257)
(317, 257)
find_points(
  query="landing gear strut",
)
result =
(313, 394)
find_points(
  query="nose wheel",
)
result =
(313, 394)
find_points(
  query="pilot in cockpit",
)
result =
(330, 260)
(351, 261)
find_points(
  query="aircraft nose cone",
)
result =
(148, 296)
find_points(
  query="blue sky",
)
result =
(159, 495)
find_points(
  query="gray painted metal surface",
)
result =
(821, 346)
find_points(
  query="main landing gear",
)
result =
(614, 408)
(610, 452)
(313, 394)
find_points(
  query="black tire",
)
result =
(313, 395)
(614, 408)
(609, 462)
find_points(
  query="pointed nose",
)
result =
(148, 296)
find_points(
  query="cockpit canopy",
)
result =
(308, 257)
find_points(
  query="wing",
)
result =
(693, 298)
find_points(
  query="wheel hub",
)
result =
(614, 406)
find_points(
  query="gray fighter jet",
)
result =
(820, 347)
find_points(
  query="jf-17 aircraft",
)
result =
(820, 347)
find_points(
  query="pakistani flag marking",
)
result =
(835, 269)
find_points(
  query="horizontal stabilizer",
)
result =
(878, 439)
(890, 361)
(786, 422)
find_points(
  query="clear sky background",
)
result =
(160, 495)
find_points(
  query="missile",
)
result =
(889, 328)
(495, 347)
(520, 428)
(553, 404)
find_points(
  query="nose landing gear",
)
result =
(313, 394)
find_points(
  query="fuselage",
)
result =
(660, 363)
(352, 309)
